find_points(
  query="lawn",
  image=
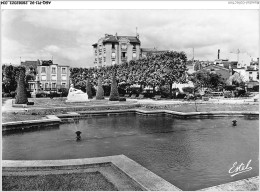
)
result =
(93, 181)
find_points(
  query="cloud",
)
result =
(52, 48)
(68, 35)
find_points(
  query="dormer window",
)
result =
(124, 46)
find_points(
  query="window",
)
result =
(53, 77)
(134, 55)
(53, 85)
(53, 70)
(63, 85)
(104, 59)
(113, 62)
(63, 70)
(113, 45)
(124, 46)
(43, 77)
(46, 85)
(43, 70)
(104, 49)
(63, 77)
(134, 46)
(123, 54)
(113, 55)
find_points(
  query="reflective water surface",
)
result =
(191, 154)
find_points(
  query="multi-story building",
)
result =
(114, 49)
(48, 76)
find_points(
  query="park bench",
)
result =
(157, 97)
(141, 96)
(133, 96)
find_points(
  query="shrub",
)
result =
(121, 91)
(30, 103)
(165, 91)
(227, 94)
(188, 89)
(21, 97)
(100, 90)
(181, 96)
(88, 89)
(107, 89)
(12, 94)
(198, 96)
(40, 95)
(122, 99)
(64, 92)
(114, 95)
(6, 95)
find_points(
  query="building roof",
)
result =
(116, 39)
(110, 39)
(132, 39)
(153, 50)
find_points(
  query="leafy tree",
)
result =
(21, 97)
(100, 90)
(154, 70)
(172, 67)
(236, 79)
(9, 82)
(206, 79)
(114, 95)
(88, 89)
(197, 66)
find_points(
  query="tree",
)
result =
(21, 97)
(236, 79)
(206, 79)
(172, 67)
(88, 89)
(100, 90)
(9, 73)
(114, 95)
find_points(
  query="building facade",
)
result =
(48, 76)
(114, 49)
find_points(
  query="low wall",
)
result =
(139, 175)
(56, 120)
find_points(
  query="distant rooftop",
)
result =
(116, 38)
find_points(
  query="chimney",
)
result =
(116, 35)
(218, 53)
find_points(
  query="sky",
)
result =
(66, 36)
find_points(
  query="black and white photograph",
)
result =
(130, 96)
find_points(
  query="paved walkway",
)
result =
(7, 106)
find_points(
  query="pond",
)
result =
(191, 154)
